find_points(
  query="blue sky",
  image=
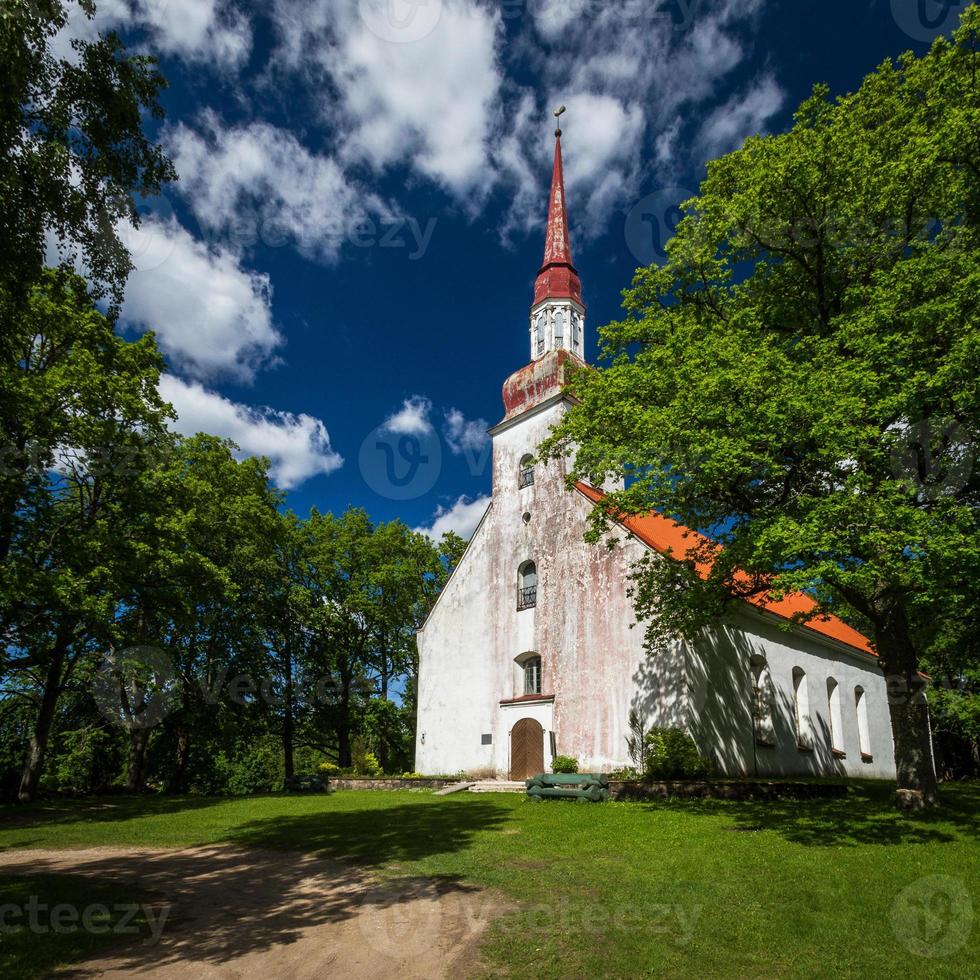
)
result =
(341, 278)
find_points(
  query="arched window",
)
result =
(559, 327)
(532, 675)
(801, 708)
(836, 723)
(576, 329)
(527, 585)
(525, 475)
(861, 707)
(765, 733)
(540, 332)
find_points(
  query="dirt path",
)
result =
(225, 912)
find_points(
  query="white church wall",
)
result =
(592, 662)
(596, 666)
(457, 701)
(721, 682)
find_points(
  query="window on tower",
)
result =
(559, 328)
(527, 585)
(526, 473)
(540, 332)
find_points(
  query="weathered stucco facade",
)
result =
(594, 667)
(760, 696)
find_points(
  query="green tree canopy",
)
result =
(799, 378)
(73, 150)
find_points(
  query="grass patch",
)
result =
(842, 887)
(50, 921)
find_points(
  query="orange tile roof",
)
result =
(664, 535)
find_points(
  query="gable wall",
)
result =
(595, 665)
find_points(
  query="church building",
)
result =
(531, 650)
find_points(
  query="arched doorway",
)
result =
(526, 749)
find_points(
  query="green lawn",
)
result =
(819, 888)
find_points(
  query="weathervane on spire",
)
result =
(558, 113)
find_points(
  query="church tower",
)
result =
(556, 325)
(557, 320)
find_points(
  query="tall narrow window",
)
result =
(861, 707)
(765, 733)
(527, 585)
(801, 707)
(576, 329)
(559, 328)
(532, 675)
(833, 711)
(541, 326)
(526, 473)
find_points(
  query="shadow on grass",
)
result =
(100, 809)
(866, 815)
(272, 880)
(373, 837)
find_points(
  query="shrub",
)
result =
(564, 763)
(412, 775)
(368, 765)
(329, 769)
(672, 754)
(626, 772)
(256, 770)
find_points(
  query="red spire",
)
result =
(557, 278)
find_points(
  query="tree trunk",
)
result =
(183, 758)
(287, 720)
(34, 762)
(383, 734)
(908, 707)
(138, 737)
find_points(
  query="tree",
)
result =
(72, 149)
(205, 535)
(799, 378)
(84, 417)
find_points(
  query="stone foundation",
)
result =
(620, 789)
(371, 782)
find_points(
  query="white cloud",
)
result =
(211, 32)
(416, 90)
(630, 74)
(412, 419)
(211, 316)
(464, 435)
(298, 446)
(462, 517)
(259, 182)
(744, 115)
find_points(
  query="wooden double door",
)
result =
(526, 749)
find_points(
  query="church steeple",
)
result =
(557, 313)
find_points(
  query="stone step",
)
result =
(498, 786)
